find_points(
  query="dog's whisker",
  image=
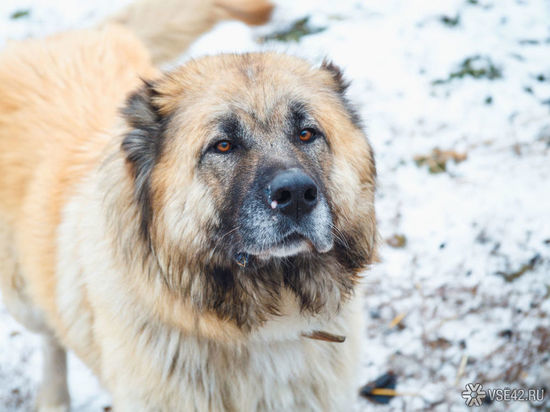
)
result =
(221, 239)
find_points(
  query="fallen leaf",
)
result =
(437, 159)
(397, 241)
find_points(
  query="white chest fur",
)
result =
(148, 364)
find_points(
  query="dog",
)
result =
(196, 237)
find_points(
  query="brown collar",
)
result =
(324, 336)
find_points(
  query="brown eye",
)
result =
(307, 135)
(223, 146)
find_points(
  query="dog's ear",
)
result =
(142, 146)
(341, 86)
(336, 73)
(139, 110)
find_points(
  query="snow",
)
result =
(466, 229)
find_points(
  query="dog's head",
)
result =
(253, 180)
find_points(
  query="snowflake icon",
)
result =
(474, 394)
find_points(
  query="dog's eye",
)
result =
(223, 146)
(307, 135)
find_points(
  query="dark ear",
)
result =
(142, 146)
(341, 88)
(336, 73)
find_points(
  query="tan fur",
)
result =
(167, 31)
(71, 263)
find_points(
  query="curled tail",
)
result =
(168, 27)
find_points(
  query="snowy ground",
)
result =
(469, 269)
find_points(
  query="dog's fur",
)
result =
(118, 224)
(168, 29)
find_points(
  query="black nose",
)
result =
(293, 193)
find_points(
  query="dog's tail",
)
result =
(168, 27)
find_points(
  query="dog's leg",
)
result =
(53, 395)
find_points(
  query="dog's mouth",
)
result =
(289, 245)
